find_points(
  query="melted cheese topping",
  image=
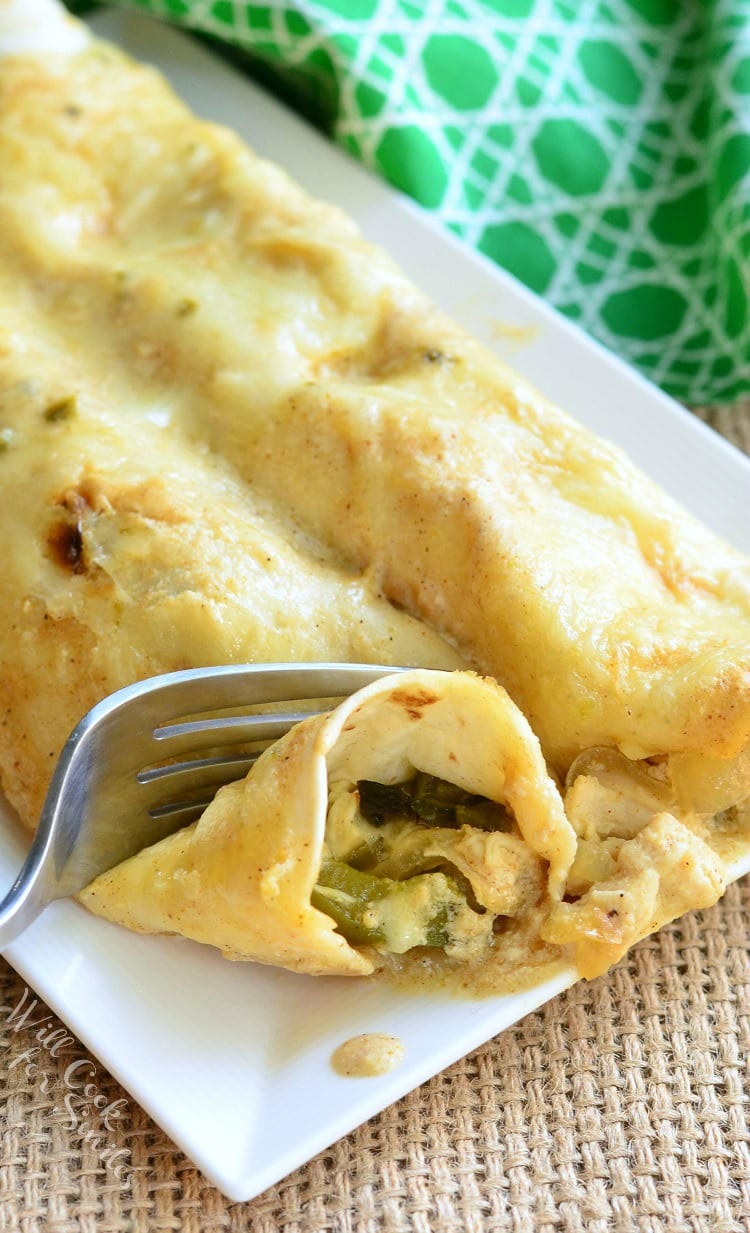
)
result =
(221, 333)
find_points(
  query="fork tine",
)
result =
(195, 783)
(180, 694)
(181, 813)
(182, 738)
(170, 783)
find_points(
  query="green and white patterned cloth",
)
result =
(597, 149)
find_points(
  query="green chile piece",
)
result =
(367, 909)
(432, 801)
(380, 803)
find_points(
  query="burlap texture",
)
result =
(622, 1105)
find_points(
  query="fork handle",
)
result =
(28, 896)
(42, 875)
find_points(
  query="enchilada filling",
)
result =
(655, 838)
(423, 862)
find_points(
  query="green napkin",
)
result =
(597, 149)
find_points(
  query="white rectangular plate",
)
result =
(232, 1060)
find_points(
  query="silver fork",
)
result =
(117, 787)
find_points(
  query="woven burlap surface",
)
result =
(621, 1105)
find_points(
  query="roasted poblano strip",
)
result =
(426, 910)
(436, 802)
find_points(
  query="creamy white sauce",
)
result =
(368, 1055)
